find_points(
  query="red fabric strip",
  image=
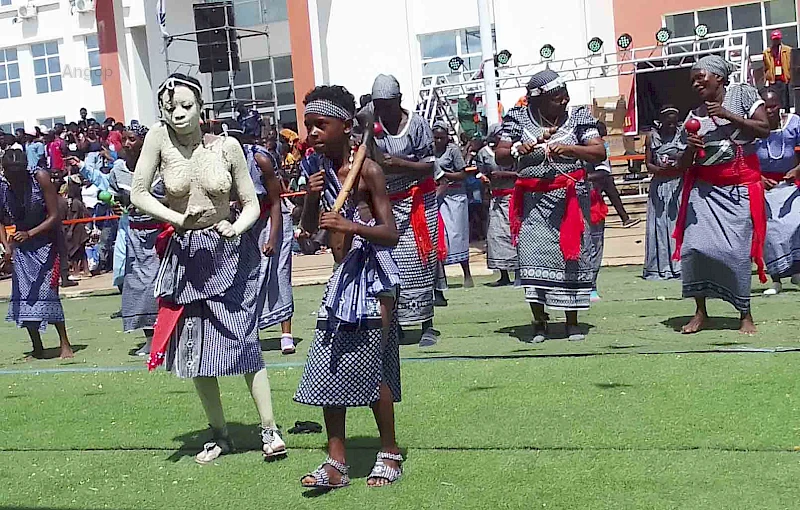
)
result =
(742, 171)
(169, 314)
(418, 219)
(599, 208)
(441, 242)
(572, 225)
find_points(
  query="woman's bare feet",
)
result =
(66, 352)
(696, 324)
(748, 327)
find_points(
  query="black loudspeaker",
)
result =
(214, 42)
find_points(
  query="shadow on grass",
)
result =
(555, 331)
(245, 438)
(274, 344)
(611, 386)
(361, 453)
(55, 352)
(712, 324)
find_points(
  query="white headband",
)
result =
(553, 85)
(171, 82)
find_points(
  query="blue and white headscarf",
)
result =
(544, 82)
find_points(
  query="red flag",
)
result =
(631, 121)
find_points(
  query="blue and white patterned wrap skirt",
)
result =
(215, 279)
(34, 286)
(352, 354)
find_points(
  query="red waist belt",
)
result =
(743, 171)
(572, 225)
(169, 313)
(419, 221)
(496, 193)
(599, 209)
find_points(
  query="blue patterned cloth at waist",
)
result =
(366, 272)
(201, 264)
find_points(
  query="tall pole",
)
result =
(487, 51)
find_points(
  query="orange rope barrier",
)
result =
(627, 157)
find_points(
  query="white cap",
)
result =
(44, 129)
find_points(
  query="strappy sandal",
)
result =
(323, 481)
(221, 444)
(383, 472)
(274, 447)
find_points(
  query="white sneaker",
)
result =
(796, 279)
(774, 290)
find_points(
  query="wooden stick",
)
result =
(352, 175)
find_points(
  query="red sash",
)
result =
(599, 209)
(169, 313)
(572, 225)
(496, 193)
(419, 221)
(743, 171)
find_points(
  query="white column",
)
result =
(316, 42)
(490, 95)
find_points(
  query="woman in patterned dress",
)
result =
(207, 284)
(137, 232)
(354, 360)
(407, 144)
(454, 208)
(663, 148)
(550, 204)
(501, 254)
(722, 189)
(274, 234)
(781, 175)
(28, 200)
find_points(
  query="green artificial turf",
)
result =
(624, 428)
(635, 316)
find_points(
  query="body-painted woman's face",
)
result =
(182, 111)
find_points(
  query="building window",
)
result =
(9, 74)
(248, 13)
(46, 67)
(11, 127)
(437, 49)
(100, 116)
(51, 121)
(4, 3)
(267, 84)
(93, 52)
(756, 20)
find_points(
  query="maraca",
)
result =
(106, 197)
(693, 126)
(377, 128)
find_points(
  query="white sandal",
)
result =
(212, 450)
(274, 446)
